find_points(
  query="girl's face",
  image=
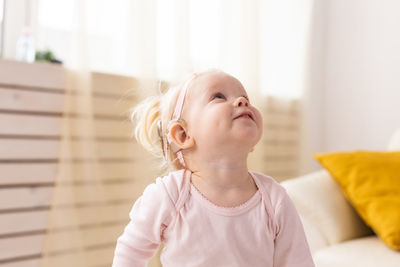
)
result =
(219, 114)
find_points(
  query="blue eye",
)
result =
(218, 96)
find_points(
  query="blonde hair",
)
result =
(151, 118)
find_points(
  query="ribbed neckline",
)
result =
(227, 211)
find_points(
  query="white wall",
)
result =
(353, 96)
(313, 117)
(353, 99)
(361, 100)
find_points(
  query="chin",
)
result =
(250, 138)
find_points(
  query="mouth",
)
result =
(244, 115)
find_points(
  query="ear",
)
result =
(180, 136)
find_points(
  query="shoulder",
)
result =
(277, 202)
(272, 191)
(166, 187)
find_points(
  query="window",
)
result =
(262, 42)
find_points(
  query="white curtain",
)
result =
(262, 42)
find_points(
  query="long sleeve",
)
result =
(291, 247)
(149, 216)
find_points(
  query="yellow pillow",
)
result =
(371, 182)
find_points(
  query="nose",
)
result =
(241, 102)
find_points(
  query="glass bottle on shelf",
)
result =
(26, 47)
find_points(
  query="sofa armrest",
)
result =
(394, 143)
(327, 216)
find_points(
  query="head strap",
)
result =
(176, 117)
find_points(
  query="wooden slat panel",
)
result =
(114, 84)
(27, 173)
(99, 258)
(23, 222)
(38, 220)
(121, 129)
(103, 128)
(30, 173)
(102, 257)
(31, 105)
(111, 150)
(90, 215)
(116, 150)
(112, 106)
(107, 170)
(44, 149)
(41, 75)
(24, 263)
(88, 237)
(281, 175)
(279, 105)
(63, 241)
(278, 166)
(81, 194)
(25, 149)
(131, 170)
(50, 126)
(19, 100)
(20, 246)
(11, 198)
(30, 125)
(11, 99)
(17, 198)
(278, 151)
(280, 143)
(281, 123)
(281, 135)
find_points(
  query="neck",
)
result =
(222, 173)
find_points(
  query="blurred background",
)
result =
(324, 73)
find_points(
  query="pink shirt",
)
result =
(264, 231)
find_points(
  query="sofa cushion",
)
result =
(328, 218)
(371, 181)
(366, 252)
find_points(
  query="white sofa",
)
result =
(336, 234)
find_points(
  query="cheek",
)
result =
(259, 118)
(199, 126)
(259, 121)
(208, 127)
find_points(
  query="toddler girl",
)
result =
(210, 210)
